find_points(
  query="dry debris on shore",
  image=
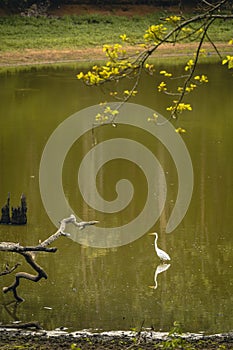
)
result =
(14, 339)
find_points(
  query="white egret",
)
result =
(161, 253)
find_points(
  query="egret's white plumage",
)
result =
(161, 253)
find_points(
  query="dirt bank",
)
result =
(17, 339)
(31, 57)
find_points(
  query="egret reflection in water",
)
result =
(159, 269)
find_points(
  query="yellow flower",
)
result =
(150, 67)
(203, 52)
(165, 73)
(110, 111)
(130, 93)
(190, 88)
(173, 19)
(124, 37)
(114, 112)
(202, 79)
(80, 75)
(184, 106)
(189, 65)
(186, 30)
(162, 86)
(98, 117)
(229, 61)
(179, 107)
(180, 130)
(106, 48)
(155, 32)
(113, 93)
(154, 118)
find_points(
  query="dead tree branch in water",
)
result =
(29, 254)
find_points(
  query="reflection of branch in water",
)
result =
(160, 268)
(35, 278)
(11, 309)
(23, 325)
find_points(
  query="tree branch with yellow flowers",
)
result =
(124, 64)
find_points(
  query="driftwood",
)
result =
(29, 254)
(16, 248)
(25, 325)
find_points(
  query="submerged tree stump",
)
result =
(18, 214)
(5, 218)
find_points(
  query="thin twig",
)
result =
(9, 270)
(214, 46)
(193, 67)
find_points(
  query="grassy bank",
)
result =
(73, 37)
(73, 32)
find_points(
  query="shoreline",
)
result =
(30, 57)
(119, 340)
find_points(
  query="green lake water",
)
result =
(110, 288)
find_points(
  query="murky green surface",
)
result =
(109, 288)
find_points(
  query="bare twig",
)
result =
(9, 270)
(214, 46)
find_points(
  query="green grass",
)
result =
(73, 32)
(18, 33)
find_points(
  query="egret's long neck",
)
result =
(156, 238)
